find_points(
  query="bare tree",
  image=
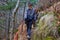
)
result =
(13, 21)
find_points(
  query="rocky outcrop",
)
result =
(43, 28)
(21, 34)
(44, 4)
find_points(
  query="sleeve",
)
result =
(35, 16)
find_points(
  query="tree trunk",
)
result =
(13, 20)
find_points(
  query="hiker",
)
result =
(29, 17)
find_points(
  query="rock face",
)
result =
(37, 35)
(46, 3)
(57, 7)
(22, 32)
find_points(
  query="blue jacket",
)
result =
(30, 15)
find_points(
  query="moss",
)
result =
(49, 38)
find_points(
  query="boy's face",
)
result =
(30, 7)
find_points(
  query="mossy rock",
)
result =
(49, 38)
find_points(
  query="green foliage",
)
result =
(33, 1)
(9, 6)
(15, 30)
(49, 38)
(1, 21)
(1, 28)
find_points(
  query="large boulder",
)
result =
(46, 3)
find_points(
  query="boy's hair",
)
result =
(30, 4)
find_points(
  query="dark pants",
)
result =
(29, 27)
